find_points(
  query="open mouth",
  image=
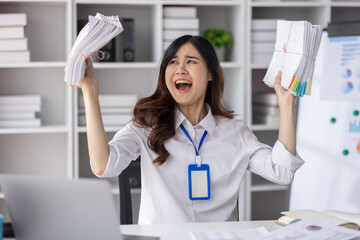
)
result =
(183, 85)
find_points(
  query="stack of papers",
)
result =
(96, 34)
(296, 47)
(310, 229)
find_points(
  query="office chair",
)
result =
(125, 199)
(129, 178)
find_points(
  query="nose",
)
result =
(181, 69)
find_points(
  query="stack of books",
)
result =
(266, 109)
(20, 111)
(179, 21)
(263, 37)
(13, 43)
(116, 109)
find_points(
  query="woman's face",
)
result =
(187, 77)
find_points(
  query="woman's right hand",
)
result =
(98, 147)
(90, 82)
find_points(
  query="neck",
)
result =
(194, 115)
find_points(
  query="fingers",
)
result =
(89, 62)
(278, 78)
(277, 84)
(73, 85)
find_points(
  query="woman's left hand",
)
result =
(287, 132)
(284, 96)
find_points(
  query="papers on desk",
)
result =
(296, 47)
(96, 34)
(253, 233)
(308, 229)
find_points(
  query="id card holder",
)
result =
(199, 182)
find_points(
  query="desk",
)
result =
(180, 231)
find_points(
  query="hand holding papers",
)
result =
(297, 43)
(96, 34)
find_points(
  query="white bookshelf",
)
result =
(45, 150)
(59, 146)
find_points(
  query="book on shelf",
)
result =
(20, 108)
(109, 119)
(261, 58)
(14, 56)
(114, 100)
(262, 47)
(9, 123)
(15, 44)
(340, 218)
(263, 36)
(296, 47)
(263, 24)
(173, 34)
(17, 115)
(12, 32)
(110, 110)
(179, 12)
(125, 47)
(181, 23)
(13, 19)
(20, 99)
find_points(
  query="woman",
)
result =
(186, 109)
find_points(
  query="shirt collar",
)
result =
(208, 123)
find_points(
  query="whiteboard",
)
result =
(329, 179)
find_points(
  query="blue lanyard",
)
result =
(198, 159)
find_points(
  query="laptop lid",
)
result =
(49, 208)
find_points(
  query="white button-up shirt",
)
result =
(230, 148)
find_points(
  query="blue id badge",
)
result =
(199, 182)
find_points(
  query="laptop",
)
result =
(58, 209)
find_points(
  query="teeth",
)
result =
(182, 81)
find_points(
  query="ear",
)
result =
(210, 77)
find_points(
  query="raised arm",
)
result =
(287, 132)
(97, 142)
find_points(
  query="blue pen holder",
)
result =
(1, 226)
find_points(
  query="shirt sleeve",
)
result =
(275, 164)
(124, 148)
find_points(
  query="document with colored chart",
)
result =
(310, 229)
(296, 47)
(341, 71)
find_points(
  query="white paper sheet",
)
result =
(252, 233)
(308, 229)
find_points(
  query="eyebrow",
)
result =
(188, 56)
